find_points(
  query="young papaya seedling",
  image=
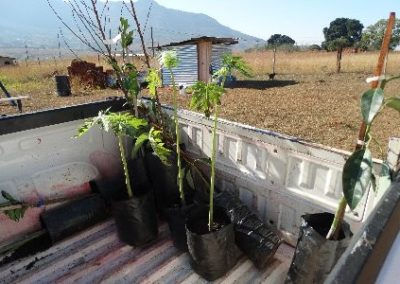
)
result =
(124, 125)
(206, 97)
(169, 59)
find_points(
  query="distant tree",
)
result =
(341, 33)
(278, 39)
(314, 47)
(372, 37)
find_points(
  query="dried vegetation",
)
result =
(306, 99)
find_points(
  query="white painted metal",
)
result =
(278, 176)
(47, 163)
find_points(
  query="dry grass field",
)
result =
(306, 99)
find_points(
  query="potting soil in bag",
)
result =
(176, 218)
(74, 216)
(164, 181)
(315, 256)
(136, 219)
(258, 242)
(212, 254)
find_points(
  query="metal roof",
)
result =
(97, 256)
(7, 57)
(195, 40)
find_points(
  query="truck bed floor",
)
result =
(97, 256)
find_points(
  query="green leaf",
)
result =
(9, 198)
(16, 214)
(384, 179)
(154, 81)
(169, 59)
(393, 102)
(356, 176)
(371, 102)
(205, 97)
(139, 143)
(158, 146)
(232, 63)
(126, 36)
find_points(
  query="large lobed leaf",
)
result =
(235, 63)
(356, 178)
(119, 123)
(205, 97)
(371, 102)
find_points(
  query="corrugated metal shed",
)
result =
(195, 57)
(216, 55)
(213, 40)
(97, 256)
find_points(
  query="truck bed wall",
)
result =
(277, 176)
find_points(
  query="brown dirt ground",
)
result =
(320, 108)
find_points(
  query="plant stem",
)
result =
(333, 233)
(212, 180)
(178, 149)
(125, 166)
(364, 128)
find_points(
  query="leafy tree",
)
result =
(278, 39)
(372, 37)
(314, 47)
(341, 33)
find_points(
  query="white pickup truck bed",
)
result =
(97, 256)
(278, 177)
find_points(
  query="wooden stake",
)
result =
(379, 69)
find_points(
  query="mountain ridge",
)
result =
(36, 26)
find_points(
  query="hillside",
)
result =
(32, 23)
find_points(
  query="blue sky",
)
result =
(301, 20)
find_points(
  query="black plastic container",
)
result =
(163, 180)
(212, 254)
(136, 219)
(74, 216)
(258, 241)
(176, 219)
(315, 256)
(62, 85)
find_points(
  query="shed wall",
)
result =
(187, 71)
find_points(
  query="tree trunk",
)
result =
(273, 60)
(339, 59)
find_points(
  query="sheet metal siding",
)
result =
(216, 55)
(187, 71)
(97, 256)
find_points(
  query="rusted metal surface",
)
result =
(97, 256)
